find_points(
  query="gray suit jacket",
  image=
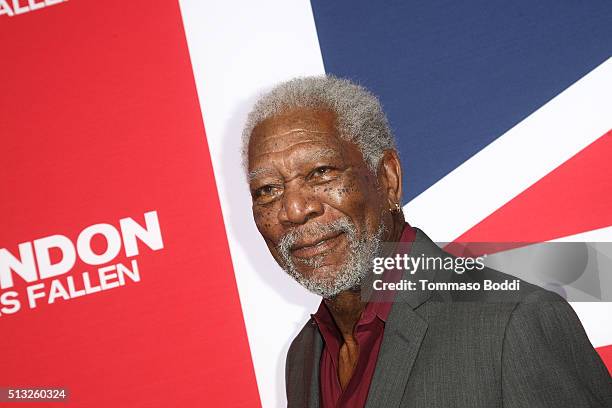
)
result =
(444, 350)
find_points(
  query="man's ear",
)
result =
(390, 177)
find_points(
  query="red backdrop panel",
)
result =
(100, 121)
(573, 198)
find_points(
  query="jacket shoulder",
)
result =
(304, 337)
(544, 335)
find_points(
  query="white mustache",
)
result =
(287, 241)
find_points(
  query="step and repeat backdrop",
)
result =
(131, 272)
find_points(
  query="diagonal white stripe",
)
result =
(513, 162)
(595, 318)
(598, 235)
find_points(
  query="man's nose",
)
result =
(299, 206)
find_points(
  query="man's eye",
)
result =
(265, 191)
(321, 171)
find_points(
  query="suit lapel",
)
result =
(402, 339)
(312, 358)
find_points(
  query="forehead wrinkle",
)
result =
(291, 147)
(323, 153)
(314, 156)
(257, 172)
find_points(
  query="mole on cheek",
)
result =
(266, 222)
(260, 216)
(340, 192)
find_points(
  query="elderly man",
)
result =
(326, 185)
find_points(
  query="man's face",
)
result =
(315, 201)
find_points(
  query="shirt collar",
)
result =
(381, 310)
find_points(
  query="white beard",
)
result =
(350, 274)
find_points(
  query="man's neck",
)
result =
(346, 309)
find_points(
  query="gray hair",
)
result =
(359, 113)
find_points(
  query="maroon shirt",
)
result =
(368, 332)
